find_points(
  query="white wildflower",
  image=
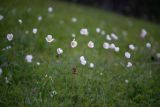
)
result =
(91, 65)
(106, 45)
(74, 19)
(126, 81)
(116, 49)
(10, 37)
(20, 21)
(101, 73)
(148, 45)
(108, 37)
(114, 36)
(84, 32)
(59, 51)
(49, 38)
(90, 44)
(1, 17)
(82, 60)
(8, 47)
(73, 35)
(26, 32)
(158, 55)
(98, 30)
(34, 30)
(129, 64)
(112, 46)
(38, 63)
(127, 55)
(143, 33)
(103, 32)
(50, 9)
(132, 47)
(73, 43)
(53, 93)
(29, 58)
(1, 71)
(39, 18)
(6, 80)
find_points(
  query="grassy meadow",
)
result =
(53, 80)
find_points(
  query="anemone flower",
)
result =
(59, 51)
(127, 55)
(90, 44)
(10, 37)
(74, 43)
(29, 58)
(49, 38)
(84, 31)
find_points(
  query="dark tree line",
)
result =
(147, 9)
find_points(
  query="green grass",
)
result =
(104, 85)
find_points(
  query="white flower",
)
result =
(59, 51)
(106, 45)
(127, 55)
(132, 47)
(143, 33)
(74, 43)
(73, 35)
(148, 45)
(84, 32)
(1, 71)
(158, 55)
(26, 32)
(91, 65)
(90, 44)
(103, 32)
(114, 36)
(20, 21)
(116, 49)
(129, 64)
(6, 80)
(29, 58)
(82, 60)
(34, 30)
(1, 17)
(38, 63)
(108, 37)
(53, 93)
(8, 47)
(112, 46)
(39, 18)
(50, 9)
(101, 73)
(9, 37)
(49, 38)
(74, 19)
(126, 81)
(98, 30)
